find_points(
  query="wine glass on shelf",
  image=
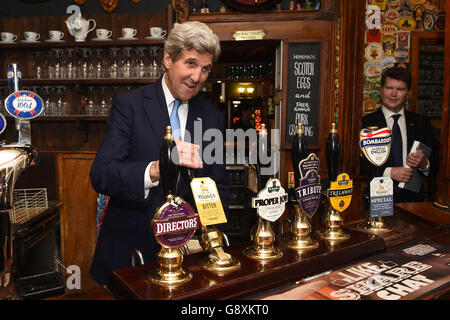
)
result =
(91, 62)
(103, 102)
(156, 59)
(60, 101)
(71, 64)
(37, 65)
(113, 63)
(126, 62)
(99, 64)
(140, 63)
(90, 107)
(60, 64)
(49, 65)
(84, 63)
(49, 102)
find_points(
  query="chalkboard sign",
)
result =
(303, 91)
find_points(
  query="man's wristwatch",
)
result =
(427, 166)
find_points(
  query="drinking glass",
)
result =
(99, 64)
(84, 63)
(72, 64)
(60, 101)
(37, 65)
(59, 63)
(113, 63)
(50, 65)
(49, 101)
(156, 60)
(127, 70)
(140, 60)
(104, 105)
(90, 106)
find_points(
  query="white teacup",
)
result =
(129, 32)
(8, 37)
(157, 32)
(103, 33)
(55, 35)
(31, 36)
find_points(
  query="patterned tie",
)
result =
(397, 148)
(175, 120)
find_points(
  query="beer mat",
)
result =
(412, 271)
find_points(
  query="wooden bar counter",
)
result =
(251, 278)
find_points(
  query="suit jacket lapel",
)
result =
(381, 119)
(193, 114)
(156, 110)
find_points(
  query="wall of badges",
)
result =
(389, 24)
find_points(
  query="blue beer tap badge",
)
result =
(24, 105)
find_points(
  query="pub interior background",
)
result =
(250, 84)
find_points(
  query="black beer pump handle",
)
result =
(188, 174)
(167, 167)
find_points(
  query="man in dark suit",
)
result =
(126, 167)
(394, 92)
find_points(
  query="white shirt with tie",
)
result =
(182, 114)
(402, 124)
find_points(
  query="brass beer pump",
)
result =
(212, 241)
(217, 260)
(332, 219)
(169, 270)
(374, 224)
(300, 227)
(263, 248)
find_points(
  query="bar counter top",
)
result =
(412, 221)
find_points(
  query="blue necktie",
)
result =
(397, 144)
(175, 120)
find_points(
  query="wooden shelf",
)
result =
(323, 14)
(86, 44)
(93, 81)
(65, 118)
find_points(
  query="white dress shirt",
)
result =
(182, 114)
(402, 124)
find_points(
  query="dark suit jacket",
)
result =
(418, 128)
(136, 129)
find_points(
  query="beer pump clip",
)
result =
(340, 195)
(307, 196)
(375, 144)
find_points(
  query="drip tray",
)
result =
(40, 286)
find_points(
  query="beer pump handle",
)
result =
(300, 151)
(333, 153)
(168, 168)
(263, 148)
